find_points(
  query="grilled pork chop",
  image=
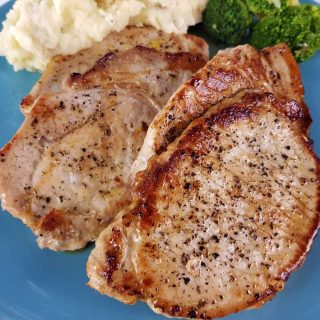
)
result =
(272, 70)
(221, 219)
(66, 169)
(62, 66)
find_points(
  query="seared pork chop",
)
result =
(221, 219)
(272, 70)
(66, 169)
(62, 66)
(140, 67)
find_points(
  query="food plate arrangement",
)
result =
(41, 284)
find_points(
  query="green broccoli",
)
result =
(265, 7)
(227, 21)
(298, 26)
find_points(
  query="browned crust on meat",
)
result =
(131, 35)
(6, 149)
(240, 110)
(226, 74)
(112, 255)
(293, 67)
(110, 269)
(144, 213)
(175, 62)
(26, 102)
(151, 178)
(53, 220)
(56, 115)
(276, 75)
(194, 313)
(179, 60)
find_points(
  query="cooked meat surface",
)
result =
(65, 171)
(219, 220)
(272, 70)
(139, 67)
(62, 66)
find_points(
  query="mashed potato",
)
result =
(36, 30)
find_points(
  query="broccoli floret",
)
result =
(227, 21)
(299, 27)
(265, 7)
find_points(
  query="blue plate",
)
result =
(43, 285)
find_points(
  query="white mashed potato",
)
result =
(36, 30)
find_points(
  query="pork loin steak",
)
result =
(65, 171)
(219, 220)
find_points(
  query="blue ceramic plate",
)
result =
(43, 285)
